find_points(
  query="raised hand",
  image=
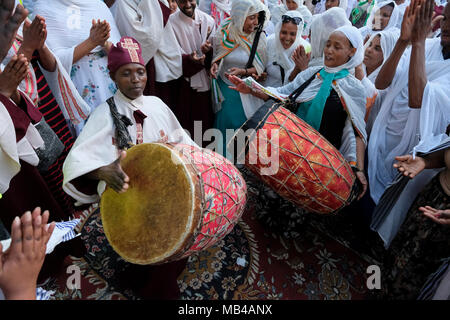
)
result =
(21, 263)
(301, 58)
(34, 35)
(100, 32)
(9, 24)
(438, 216)
(423, 21)
(13, 74)
(409, 18)
(408, 166)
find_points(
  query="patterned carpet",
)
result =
(250, 263)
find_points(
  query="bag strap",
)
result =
(121, 122)
(261, 18)
(281, 71)
(297, 92)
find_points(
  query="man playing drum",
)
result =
(126, 119)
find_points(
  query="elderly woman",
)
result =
(385, 15)
(233, 46)
(332, 100)
(287, 38)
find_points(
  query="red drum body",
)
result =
(311, 172)
(181, 200)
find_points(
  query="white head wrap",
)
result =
(304, 11)
(354, 36)
(321, 27)
(240, 10)
(278, 53)
(388, 38)
(395, 16)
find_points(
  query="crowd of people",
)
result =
(83, 80)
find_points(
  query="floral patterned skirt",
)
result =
(419, 247)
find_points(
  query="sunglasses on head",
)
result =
(295, 20)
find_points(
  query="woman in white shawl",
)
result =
(233, 44)
(283, 42)
(322, 26)
(80, 44)
(377, 50)
(384, 16)
(289, 5)
(333, 101)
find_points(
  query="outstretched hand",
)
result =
(408, 166)
(21, 263)
(301, 58)
(239, 85)
(438, 216)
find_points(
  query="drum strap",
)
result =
(121, 122)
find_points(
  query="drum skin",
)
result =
(181, 200)
(311, 173)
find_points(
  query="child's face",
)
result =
(173, 5)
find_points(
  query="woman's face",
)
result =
(291, 5)
(373, 57)
(338, 50)
(288, 34)
(382, 17)
(250, 24)
(331, 4)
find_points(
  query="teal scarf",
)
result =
(312, 111)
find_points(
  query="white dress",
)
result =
(68, 24)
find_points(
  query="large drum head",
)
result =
(151, 221)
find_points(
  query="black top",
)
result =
(333, 120)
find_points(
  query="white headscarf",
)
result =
(240, 10)
(354, 36)
(304, 11)
(393, 20)
(388, 38)
(278, 53)
(321, 27)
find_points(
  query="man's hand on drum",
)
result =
(113, 175)
(362, 178)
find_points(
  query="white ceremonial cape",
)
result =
(94, 147)
(143, 20)
(411, 130)
(191, 34)
(11, 152)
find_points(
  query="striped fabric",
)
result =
(42, 294)
(70, 226)
(51, 111)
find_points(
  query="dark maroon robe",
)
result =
(27, 189)
(193, 105)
